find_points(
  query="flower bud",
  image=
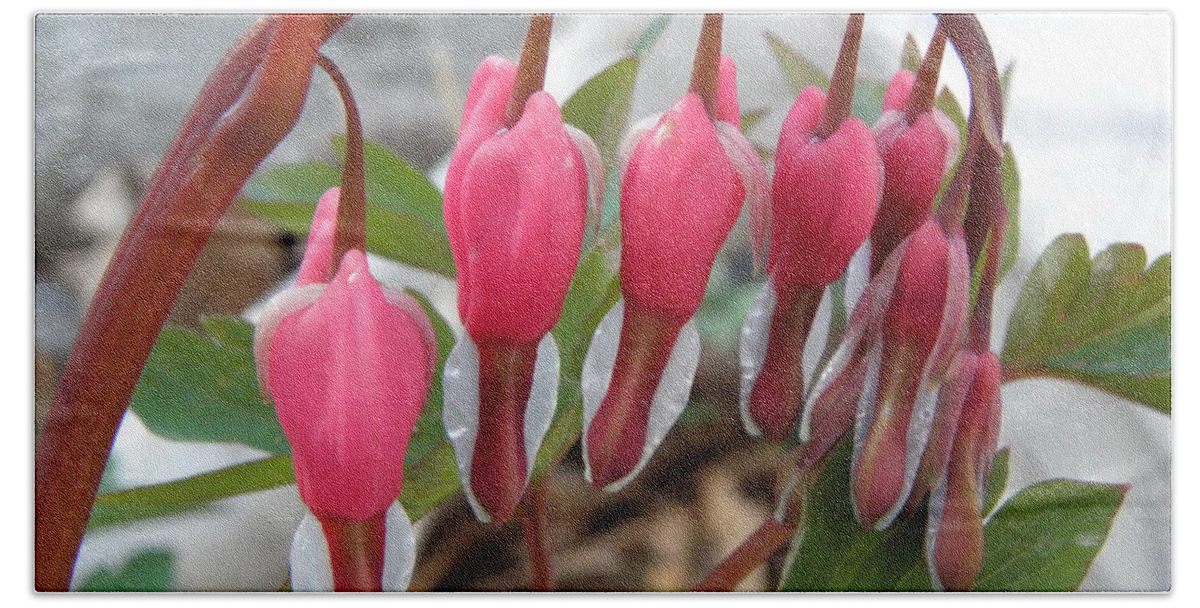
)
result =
(516, 204)
(895, 351)
(917, 333)
(348, 365)
(683, 187)
(954, 534)
(915, 157)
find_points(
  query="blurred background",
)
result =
(1089, 117)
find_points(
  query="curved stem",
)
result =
(351, 230)
(841, 86)
(707, 64)
(245, 107)
(531, 69)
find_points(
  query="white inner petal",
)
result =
(309, 557)
(670, 397)
(310, 565)
(399, 549)
(937, 508)
(752, 349)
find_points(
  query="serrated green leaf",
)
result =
(1104, 322)
(1045, 537)
(203, 387)
(403, 237)
(190, 493)
(600, 107)
(997, 480)
(394, 184)
(151, 570)
(910, 56)
(797, 71)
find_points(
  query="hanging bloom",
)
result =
(954, 533)
(916, 153)
(348, 365)
(897, 347)
(823, 203)
(516, 203)
(683, 185)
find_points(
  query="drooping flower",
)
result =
(901, 339)
(516, 203)
(683, 185)
(954, 532)
(916, 153)
(348, 365)
(823, 203)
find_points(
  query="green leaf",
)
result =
(429, 481)
(203, 387)
(394, 184)
(650, 36)
(1010, 188)
(997, 480)
(600, 107)
(868, 100)
(798, 71)
(910, 57)
(429, 431)
(752, 118)
(300, 183)
(1006, 82)
(403, 237)
(190, 493)
(1045, 537)
(1104, 322)
(834, 553)
(147, 571)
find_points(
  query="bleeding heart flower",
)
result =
(348, 365)
(516, 205)
(823, 203)
(684, 182)
(897, 347)
(916, 154)
(954, 533)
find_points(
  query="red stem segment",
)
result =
(841, 86)
(352, 204)
(749, 555)
(533, 522)
(531, 69)
(498, 463)
(778, 393)
(245, 107)
(924, 90)
(707, 64)
(356, 550)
